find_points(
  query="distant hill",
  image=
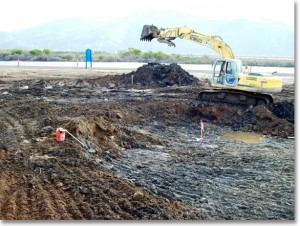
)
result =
(246, 38)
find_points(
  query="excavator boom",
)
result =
(166, 35)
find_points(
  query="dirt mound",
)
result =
(154, 74)
(260, 119)
(104, 137)
(96, 132)
(257, 119)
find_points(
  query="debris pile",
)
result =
(154, 74)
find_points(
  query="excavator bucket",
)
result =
(149, 32)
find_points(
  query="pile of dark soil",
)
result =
(283, 110)
(278, 121)
(260, 119)
(154, 74)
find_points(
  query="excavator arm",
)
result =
(166, 35)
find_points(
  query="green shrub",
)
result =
(135, 52)
(67, 56)
(35, 52)
(133, 55)
(100, 57)
(47, 51)
(5, 52)
(17, 51)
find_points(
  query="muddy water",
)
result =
(227, 179)
(244, 137)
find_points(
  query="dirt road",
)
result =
(145, 158)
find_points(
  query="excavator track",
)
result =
(235, 97)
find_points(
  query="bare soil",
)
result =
(145, 158)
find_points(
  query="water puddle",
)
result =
(244, 137)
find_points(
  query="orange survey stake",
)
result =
(60, 134)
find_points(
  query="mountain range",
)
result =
(245, 37)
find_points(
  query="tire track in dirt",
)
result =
(43, 206)
(22, 211)
(21, 122)
(65, 199)
(70, 201)
(32, 200)
(56, 203)
(6, 184)
(90, 187)
(9, 125)
(17, 206)
(13, 196)
(74, 202)
(14, 132)
(104, 191)
(60, 205)
(10, 207)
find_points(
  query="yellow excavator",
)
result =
(230, 83)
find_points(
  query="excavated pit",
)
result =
(149, 161)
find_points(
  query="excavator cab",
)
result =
(226, 71)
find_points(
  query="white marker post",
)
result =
(201, 128)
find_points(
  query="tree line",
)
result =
(129, 55)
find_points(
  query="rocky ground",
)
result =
(142, 156)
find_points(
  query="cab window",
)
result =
(231, 68)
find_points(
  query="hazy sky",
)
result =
(19, 14)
